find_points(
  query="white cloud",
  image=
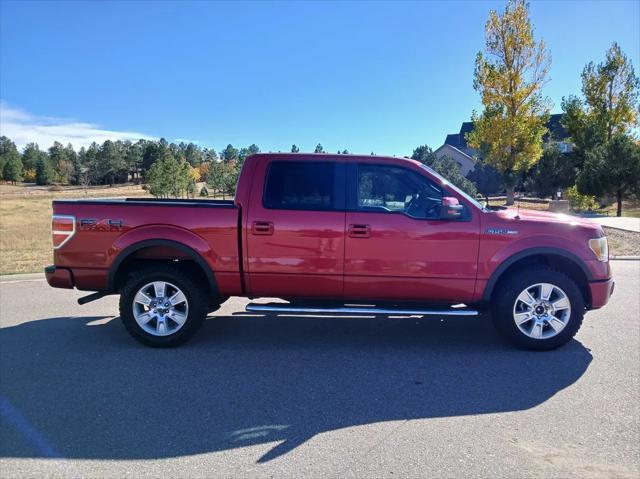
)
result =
(23, 128)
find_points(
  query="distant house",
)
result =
(455, 144)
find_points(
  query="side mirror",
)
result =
(451, 208)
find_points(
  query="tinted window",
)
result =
(397, 190)
(300, 185)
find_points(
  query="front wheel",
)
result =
(161, 306)
(539, 310)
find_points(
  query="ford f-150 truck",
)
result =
(335, 234)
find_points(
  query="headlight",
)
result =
(600, 248)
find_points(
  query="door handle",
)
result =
(359, 231)
(262, 228)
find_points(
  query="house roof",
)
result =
(466, 153)
(556, 132)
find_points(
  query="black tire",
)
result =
(508, 290)
(198, 304)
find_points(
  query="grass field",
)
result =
(25, 222)
(25, 225)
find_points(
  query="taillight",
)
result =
(62, 229)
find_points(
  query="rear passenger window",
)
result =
(300, 185)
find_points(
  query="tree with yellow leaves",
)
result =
(509, 76)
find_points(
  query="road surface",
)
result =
(254, 396)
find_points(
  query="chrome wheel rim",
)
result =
(542, 311)
(160, 308)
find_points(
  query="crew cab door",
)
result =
(396, 246)
(295, 229)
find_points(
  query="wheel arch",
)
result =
(129, 253)
(557, 258)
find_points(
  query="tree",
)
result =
(612, 168)
(319, 149)
(445, 166)
(222, 177)
(193, 154)
(244, 153)
(229, 154)
(12, 170)
(45, 174)
(214, 176)
(295, 149)
(152, 152)
(486, 179)
(610, 105)
(134, 158)
(112, 164)
(611, 92)
(170, 177)
(59, 160)
(10, 161)
(210, 155)
(509, 78)
(553, 171)
(30, 156)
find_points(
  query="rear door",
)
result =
(295, 229)
(397, 247)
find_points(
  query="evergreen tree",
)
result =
(45, 174)
(12, 170)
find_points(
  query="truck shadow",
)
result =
(88, 390)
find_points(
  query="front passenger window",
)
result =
(397, 190)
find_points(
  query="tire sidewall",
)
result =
(197, 306)
(502, 310)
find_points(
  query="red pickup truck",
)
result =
(335, 234)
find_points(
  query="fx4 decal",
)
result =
(92, 224)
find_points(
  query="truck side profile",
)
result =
(333, 233)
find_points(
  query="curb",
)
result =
(625, 258)
(7, 278)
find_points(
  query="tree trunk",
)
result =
(510, 190)
(619, 198)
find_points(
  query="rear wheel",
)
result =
(161, 306)
(540, 310)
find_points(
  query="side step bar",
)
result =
(288, 308)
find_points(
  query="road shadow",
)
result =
(88, 390)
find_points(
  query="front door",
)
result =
(397, 247)
(295, 229)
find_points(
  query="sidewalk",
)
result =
(622, 223)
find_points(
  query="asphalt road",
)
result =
(255, 396)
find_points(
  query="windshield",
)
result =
(447, 183)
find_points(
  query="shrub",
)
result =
(581, 202)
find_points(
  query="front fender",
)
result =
(497, 264)
(541, 243)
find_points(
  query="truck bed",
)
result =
(105, 227)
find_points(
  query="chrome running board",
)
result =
(288, 308)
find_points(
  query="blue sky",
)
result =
(366, 76)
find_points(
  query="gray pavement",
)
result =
(255, 396)
(622, 223)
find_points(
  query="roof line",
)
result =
(457, 149)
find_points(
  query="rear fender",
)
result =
(188, 243)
